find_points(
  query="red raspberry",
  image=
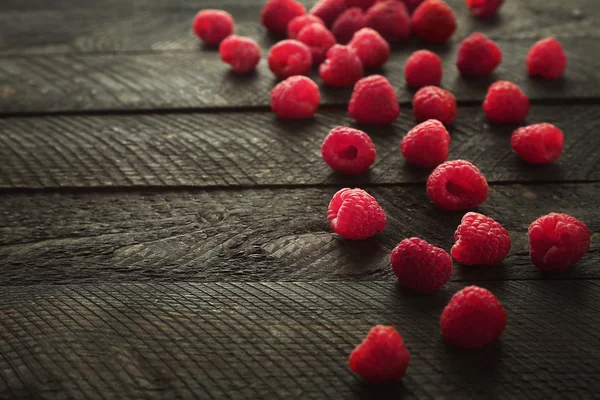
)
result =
(547, 59)
(355, 214)
(473, 318)
(423, 68)
(432, 102)
(290, 57)
(348, 23)
(342, 68)
(391, 19)
(242, 53)
(411, 5)
(296, 25)
(328, 10)
(484, 8)
(457, 185)
(427, 144)
(363, 4)
(381, 357)
(348, 150)
(420, 266)
(478, 56)
(374, 101)
(371, 48)
(480, 241)
(557, 241)
(505, 103)
(319, 39)
(434, 21)
(538, 144)
(295, 98)
(212, 26)
(277, 14)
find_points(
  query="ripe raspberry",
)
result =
(242, 53)
(328, 10)
(348, 23)
(348, 150)
(355, 214)
(277, 14)
(290, 57)
(538, 144)
(371, 48)
(478, 56)
(484, 8)
(342, 68)
(411, 5)
(457, 185)
(473, 318)
(505, 103)
(391, 19)
(434, 21)
(427, 144)
(547, 59)
(363, 4)
(381, 357)
(319, 39)
(296, 97)
(374, 101)
(423, 68)
(212, 26)
(480, 241)
(420, 266)
(557, 241)
(432, 102)
(296, 25)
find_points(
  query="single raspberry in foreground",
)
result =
(505, 103)
(348, 23)
(212, 26)
(374, 101)
(342, 68)
(480, 241)
(348, 150)
(290, 57)
(538, 143)
(319, 39)
(484, 8)
(457, 185)
(297, 97)
(242, 53)
(427, 144)
(296, 25)
(423, 68)
(371, 48)
(355, 214)
(391, 19)
(434, 21)
(547, 59)
(478, 56)
(328, 10)
(432, 102)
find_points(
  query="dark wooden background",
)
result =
(163, 235)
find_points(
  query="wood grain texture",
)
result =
(287, 340)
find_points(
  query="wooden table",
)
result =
(163, 235)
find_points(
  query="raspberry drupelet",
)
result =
(342, 68)
(363, 4)
(480, 241)
(372, 49)
(432, 102)
(484, 8)
(423, 68)
(296, 25)
(478, 56)
(277, 14)
(290, 57)
(538, 143)
(328, 10)
(411, 5)
(434, 21)
(297, 97)
(212, 26)
(391, 19)
(348, 150)
(505, 103)
(547, 59)
(348, 23)
(242, 53)
(457, 185)
(426, 145)
(319, 39)
(374, 101)
(354, 214)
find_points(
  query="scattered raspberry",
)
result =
(297, 97)
(296, 25)
(423, 68)
(505, 103)
(557, 241)
(319, 39)
(355, 214)
(277, 14)
(381, 357)
(427, 144)
(348, 150)
(290, 57)
(411, 5)
(374, 101)
(538, 144)
(328, 10)
(342, 68)
(480, 241)
(484, 8)
(478, 56)
(432, 102)
(547, 59)
(242, 53)
(473, 318)
(420, 266)
(363, 4)
(348, 23)
(457, 185)
(212, 26)
(434, 21)
(371, 48)
(391, 19)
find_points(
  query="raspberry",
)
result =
(547, 59)
(328, 10)
(480, 241)
(319, 39)
(457, 185)
(348, 150)
(411, 5)
(296, 25)
(420, 266)
(557, 241)
(434, 21)
(296, 97)
(348, 23)
(432, 102)
(374, 101)
(538, 144)
(484, 8)
(478, 56)
(391, 19)
(473, 318)
(381, 357)
(363, 4)
(242, 53)
(212, 26)
(342, 68)
(427, 144)
(505, 103)
(371, 48)
(290, 57)
(423, 68)
(277, 14)
(355, 214)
